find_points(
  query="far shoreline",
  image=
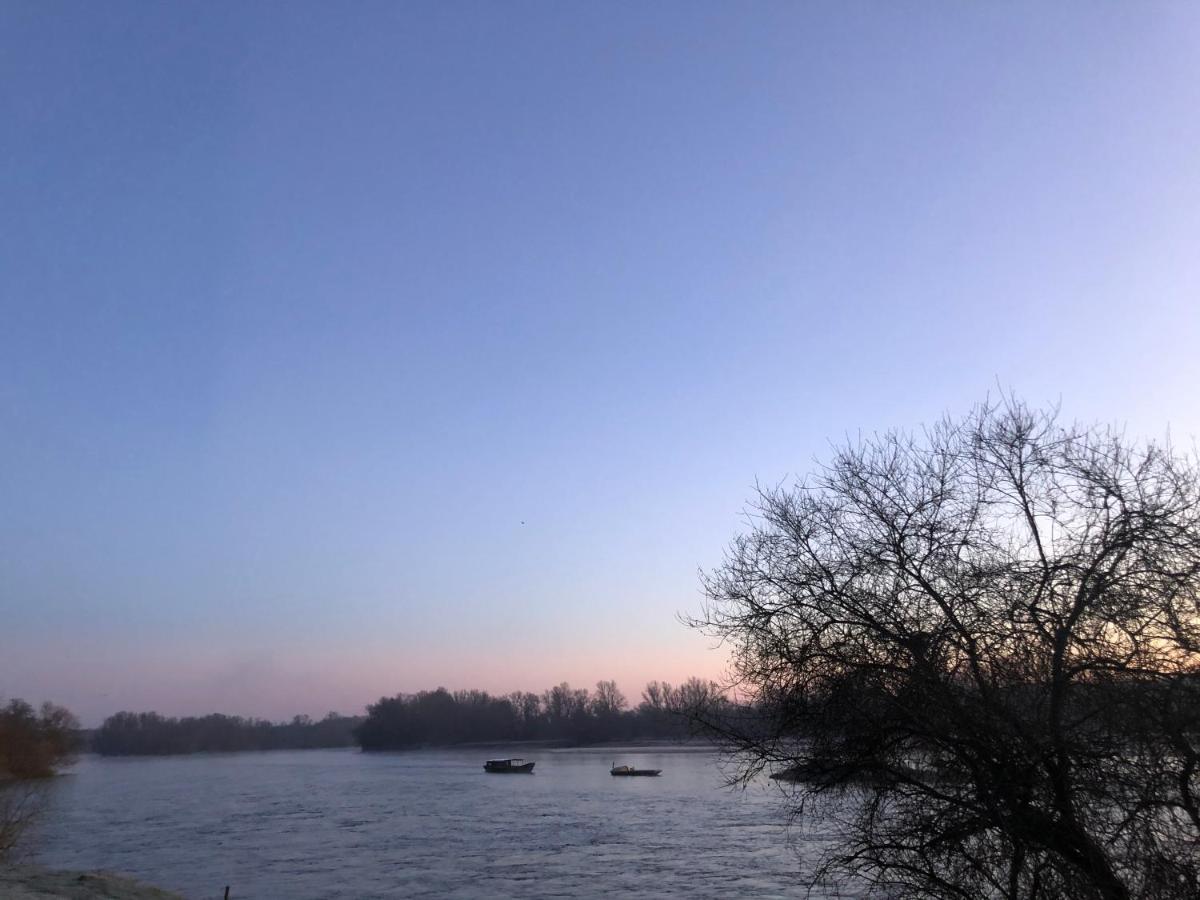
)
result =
(687, 745)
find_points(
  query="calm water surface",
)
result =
(344, 824)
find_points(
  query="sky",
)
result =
(352, 349)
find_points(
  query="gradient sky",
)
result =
(350, 349)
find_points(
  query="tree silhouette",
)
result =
(33, 746)
(979, 645)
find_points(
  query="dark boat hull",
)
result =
(526, 769)
(634, 773)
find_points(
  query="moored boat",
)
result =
(630, 770)
(508, 766)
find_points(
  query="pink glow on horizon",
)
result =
(277, 685)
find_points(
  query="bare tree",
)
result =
(976, 650)
(563, 702)
(608, 700)
(654, 696)
(33, 745)
(21, 802)
(696, 699)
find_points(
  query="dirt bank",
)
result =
(32, 883)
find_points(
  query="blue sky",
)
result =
(351, 349)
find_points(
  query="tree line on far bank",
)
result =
(427, 718)
(151, 734)
(563, 713)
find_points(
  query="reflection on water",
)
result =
(339, 823)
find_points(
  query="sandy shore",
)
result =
(32, 883)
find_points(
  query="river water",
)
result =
(343, 824)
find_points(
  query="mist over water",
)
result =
(344, 824)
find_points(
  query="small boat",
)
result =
(508, 766)
(630, 770)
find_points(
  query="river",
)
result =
(344, 824)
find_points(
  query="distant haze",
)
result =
(348, 350)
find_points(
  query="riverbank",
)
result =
(34, 883)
